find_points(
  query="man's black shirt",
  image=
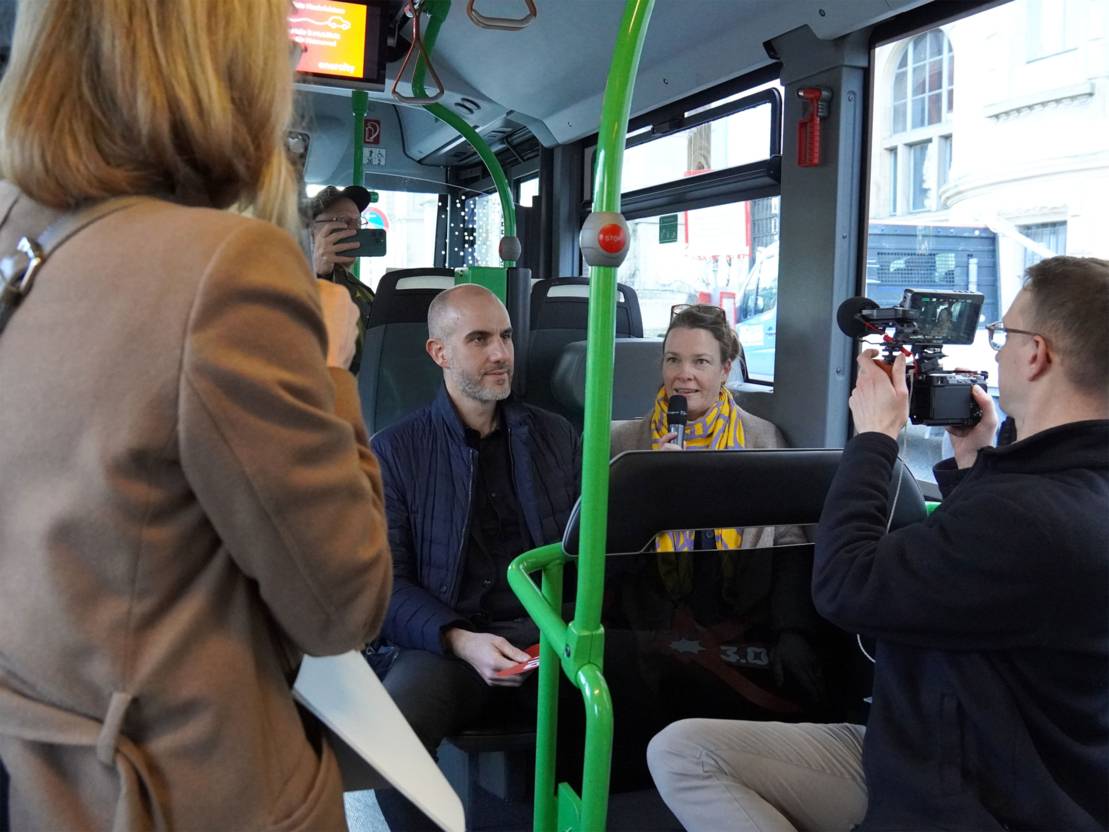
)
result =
(496, 535)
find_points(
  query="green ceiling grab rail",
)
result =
(577, 648)
(437, 11)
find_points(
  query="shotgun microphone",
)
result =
(676, 415)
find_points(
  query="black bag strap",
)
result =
(17, 271)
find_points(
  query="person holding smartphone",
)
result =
(336, 216)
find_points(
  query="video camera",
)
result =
(927, 320)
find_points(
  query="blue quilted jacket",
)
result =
(429, 472)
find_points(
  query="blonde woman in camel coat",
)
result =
(187, 499)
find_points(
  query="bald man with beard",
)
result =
(471, 481)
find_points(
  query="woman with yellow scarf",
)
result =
(769, 596)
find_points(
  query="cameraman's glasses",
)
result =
(998, 333)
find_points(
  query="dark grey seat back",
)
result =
(652, 492)
(636, 376)
(397, 376)
(560, 316)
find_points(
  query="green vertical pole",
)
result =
(359, 101)
(602, 320)
(585, 632)
(437, 11)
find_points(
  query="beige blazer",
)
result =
(187, 504)
(635, 435)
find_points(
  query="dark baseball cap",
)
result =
(329, 195)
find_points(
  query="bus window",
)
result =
(976, 147)
(706, 256)
(697, 253)
(528, 190)
(409, 222)
(726, 142)
(758, 321)
(483, 231)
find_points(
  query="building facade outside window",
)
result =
(1051, 235)
(919, 143)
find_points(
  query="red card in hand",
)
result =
(522, 667)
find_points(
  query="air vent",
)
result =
(468, 110)
(469, 102)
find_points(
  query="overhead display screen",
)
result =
(341, 41)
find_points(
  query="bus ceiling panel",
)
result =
(328, 120)
(554, 71)
(830, 19)
(455, 150)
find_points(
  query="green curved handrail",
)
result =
(579, 646)
(437, 12)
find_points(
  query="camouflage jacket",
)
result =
(363, 297)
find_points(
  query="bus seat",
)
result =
(560, 316)
(727, 489)
(397, 376)
(724, 489)
(563, 303)
(635, 377)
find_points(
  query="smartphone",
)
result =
(371, 243)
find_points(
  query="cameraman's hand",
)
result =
(967, 442)
(880, 403)
(340, 319)
(327, 250)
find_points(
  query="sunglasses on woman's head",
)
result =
(703, 308)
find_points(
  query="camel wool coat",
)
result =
(188, 504)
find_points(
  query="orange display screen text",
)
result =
(333, 36)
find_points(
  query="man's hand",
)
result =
(880, 403)
(487, 654)
(967, 442)
(327, 250)
(340, 318)
(666, 443)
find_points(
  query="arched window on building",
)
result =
(919, 149)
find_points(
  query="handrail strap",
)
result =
(510, 24)
(417, 47)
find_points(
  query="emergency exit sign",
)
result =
(668, 228)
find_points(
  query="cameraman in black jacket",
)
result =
(991, 694)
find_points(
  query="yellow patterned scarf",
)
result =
(719, 429)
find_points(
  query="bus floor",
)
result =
(640, 811)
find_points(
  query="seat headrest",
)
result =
(563, 303)
(403, 296)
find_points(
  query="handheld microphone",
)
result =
(676, 417)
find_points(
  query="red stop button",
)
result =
(611, 238)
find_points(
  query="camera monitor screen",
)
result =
(946, 317)
(343, 42)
